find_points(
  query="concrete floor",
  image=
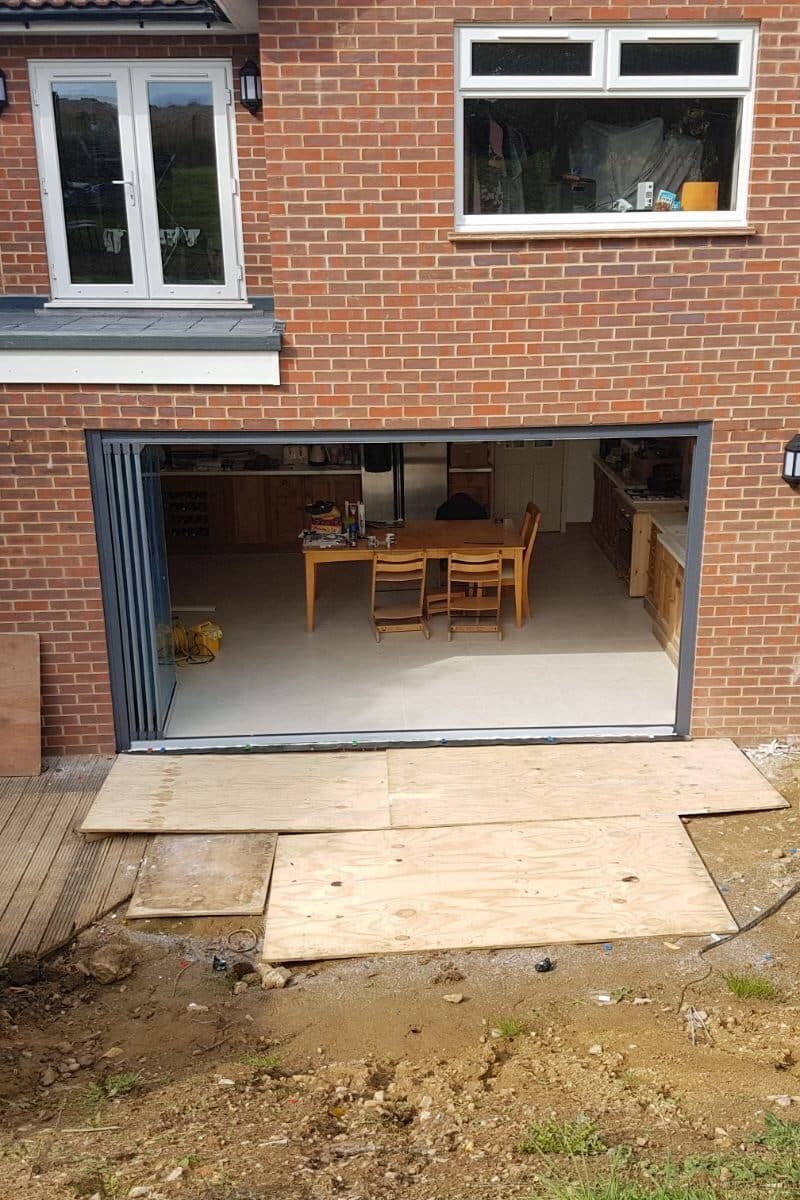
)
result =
(586, 658)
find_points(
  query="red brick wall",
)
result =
(48, 566)
(393, 325)
(390, 322)
(23, 255)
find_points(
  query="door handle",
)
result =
(129, 184)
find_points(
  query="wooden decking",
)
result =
(53, 882)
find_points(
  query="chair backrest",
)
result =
(480, 570)
(399, 568)
(534, 516)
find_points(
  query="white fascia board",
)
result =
(182, 367)
(242, 14)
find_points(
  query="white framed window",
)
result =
(138, 177)
(607, 128)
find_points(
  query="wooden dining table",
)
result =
(437, 538)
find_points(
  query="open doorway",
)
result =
(606, 585)
(611, 582)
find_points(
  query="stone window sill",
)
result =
(601, 235)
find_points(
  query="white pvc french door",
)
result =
(138, 174)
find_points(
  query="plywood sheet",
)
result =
(204, 875)
(228, 793)
(480, 784)
(20, 705)
(342, 894)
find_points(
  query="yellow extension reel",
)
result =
(199, 644)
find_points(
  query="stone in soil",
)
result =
(110, 963)
(273, 977)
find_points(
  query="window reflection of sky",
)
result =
(104, 92)
(160, 95)
(171, 95)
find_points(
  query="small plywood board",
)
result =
(484, 784)
(342, 894)
(20, 705)
(228, 793)
(204, 875)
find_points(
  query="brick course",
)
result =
(392, 324)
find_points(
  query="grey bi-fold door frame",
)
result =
(131, 555)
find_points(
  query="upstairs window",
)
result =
(581, 128)
(137, 171)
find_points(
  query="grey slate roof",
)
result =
(138, 329)
(29, 12)
(39, 4)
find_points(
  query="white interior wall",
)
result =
(579, 480)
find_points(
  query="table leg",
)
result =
(518, 588)
(311, 583)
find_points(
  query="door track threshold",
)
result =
(386, 739)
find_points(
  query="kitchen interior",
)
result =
(606, 571)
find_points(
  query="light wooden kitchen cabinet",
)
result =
(251, 517)
(469, 454)
(338, 488)
(664, 599)
(239, 513)
(286, 502)
(477, 484)
(288, 495)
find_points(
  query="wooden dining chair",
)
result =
(473, 594)
(436, 601)
(398, 572)
(530, 527)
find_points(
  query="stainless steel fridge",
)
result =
(404, 482)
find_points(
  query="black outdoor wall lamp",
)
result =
(791, 462)
(3, 92)
(250, 86)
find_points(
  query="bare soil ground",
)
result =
(360, 1080)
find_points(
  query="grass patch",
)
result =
(264, 1060)
(97, 1179)
(751, 987)
(112, 1088)
(510, 1027)
(614, 1187)
(769, 1171)
(578, 1138)
(618, 1189)
(689, 1180)
(780, 1135)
